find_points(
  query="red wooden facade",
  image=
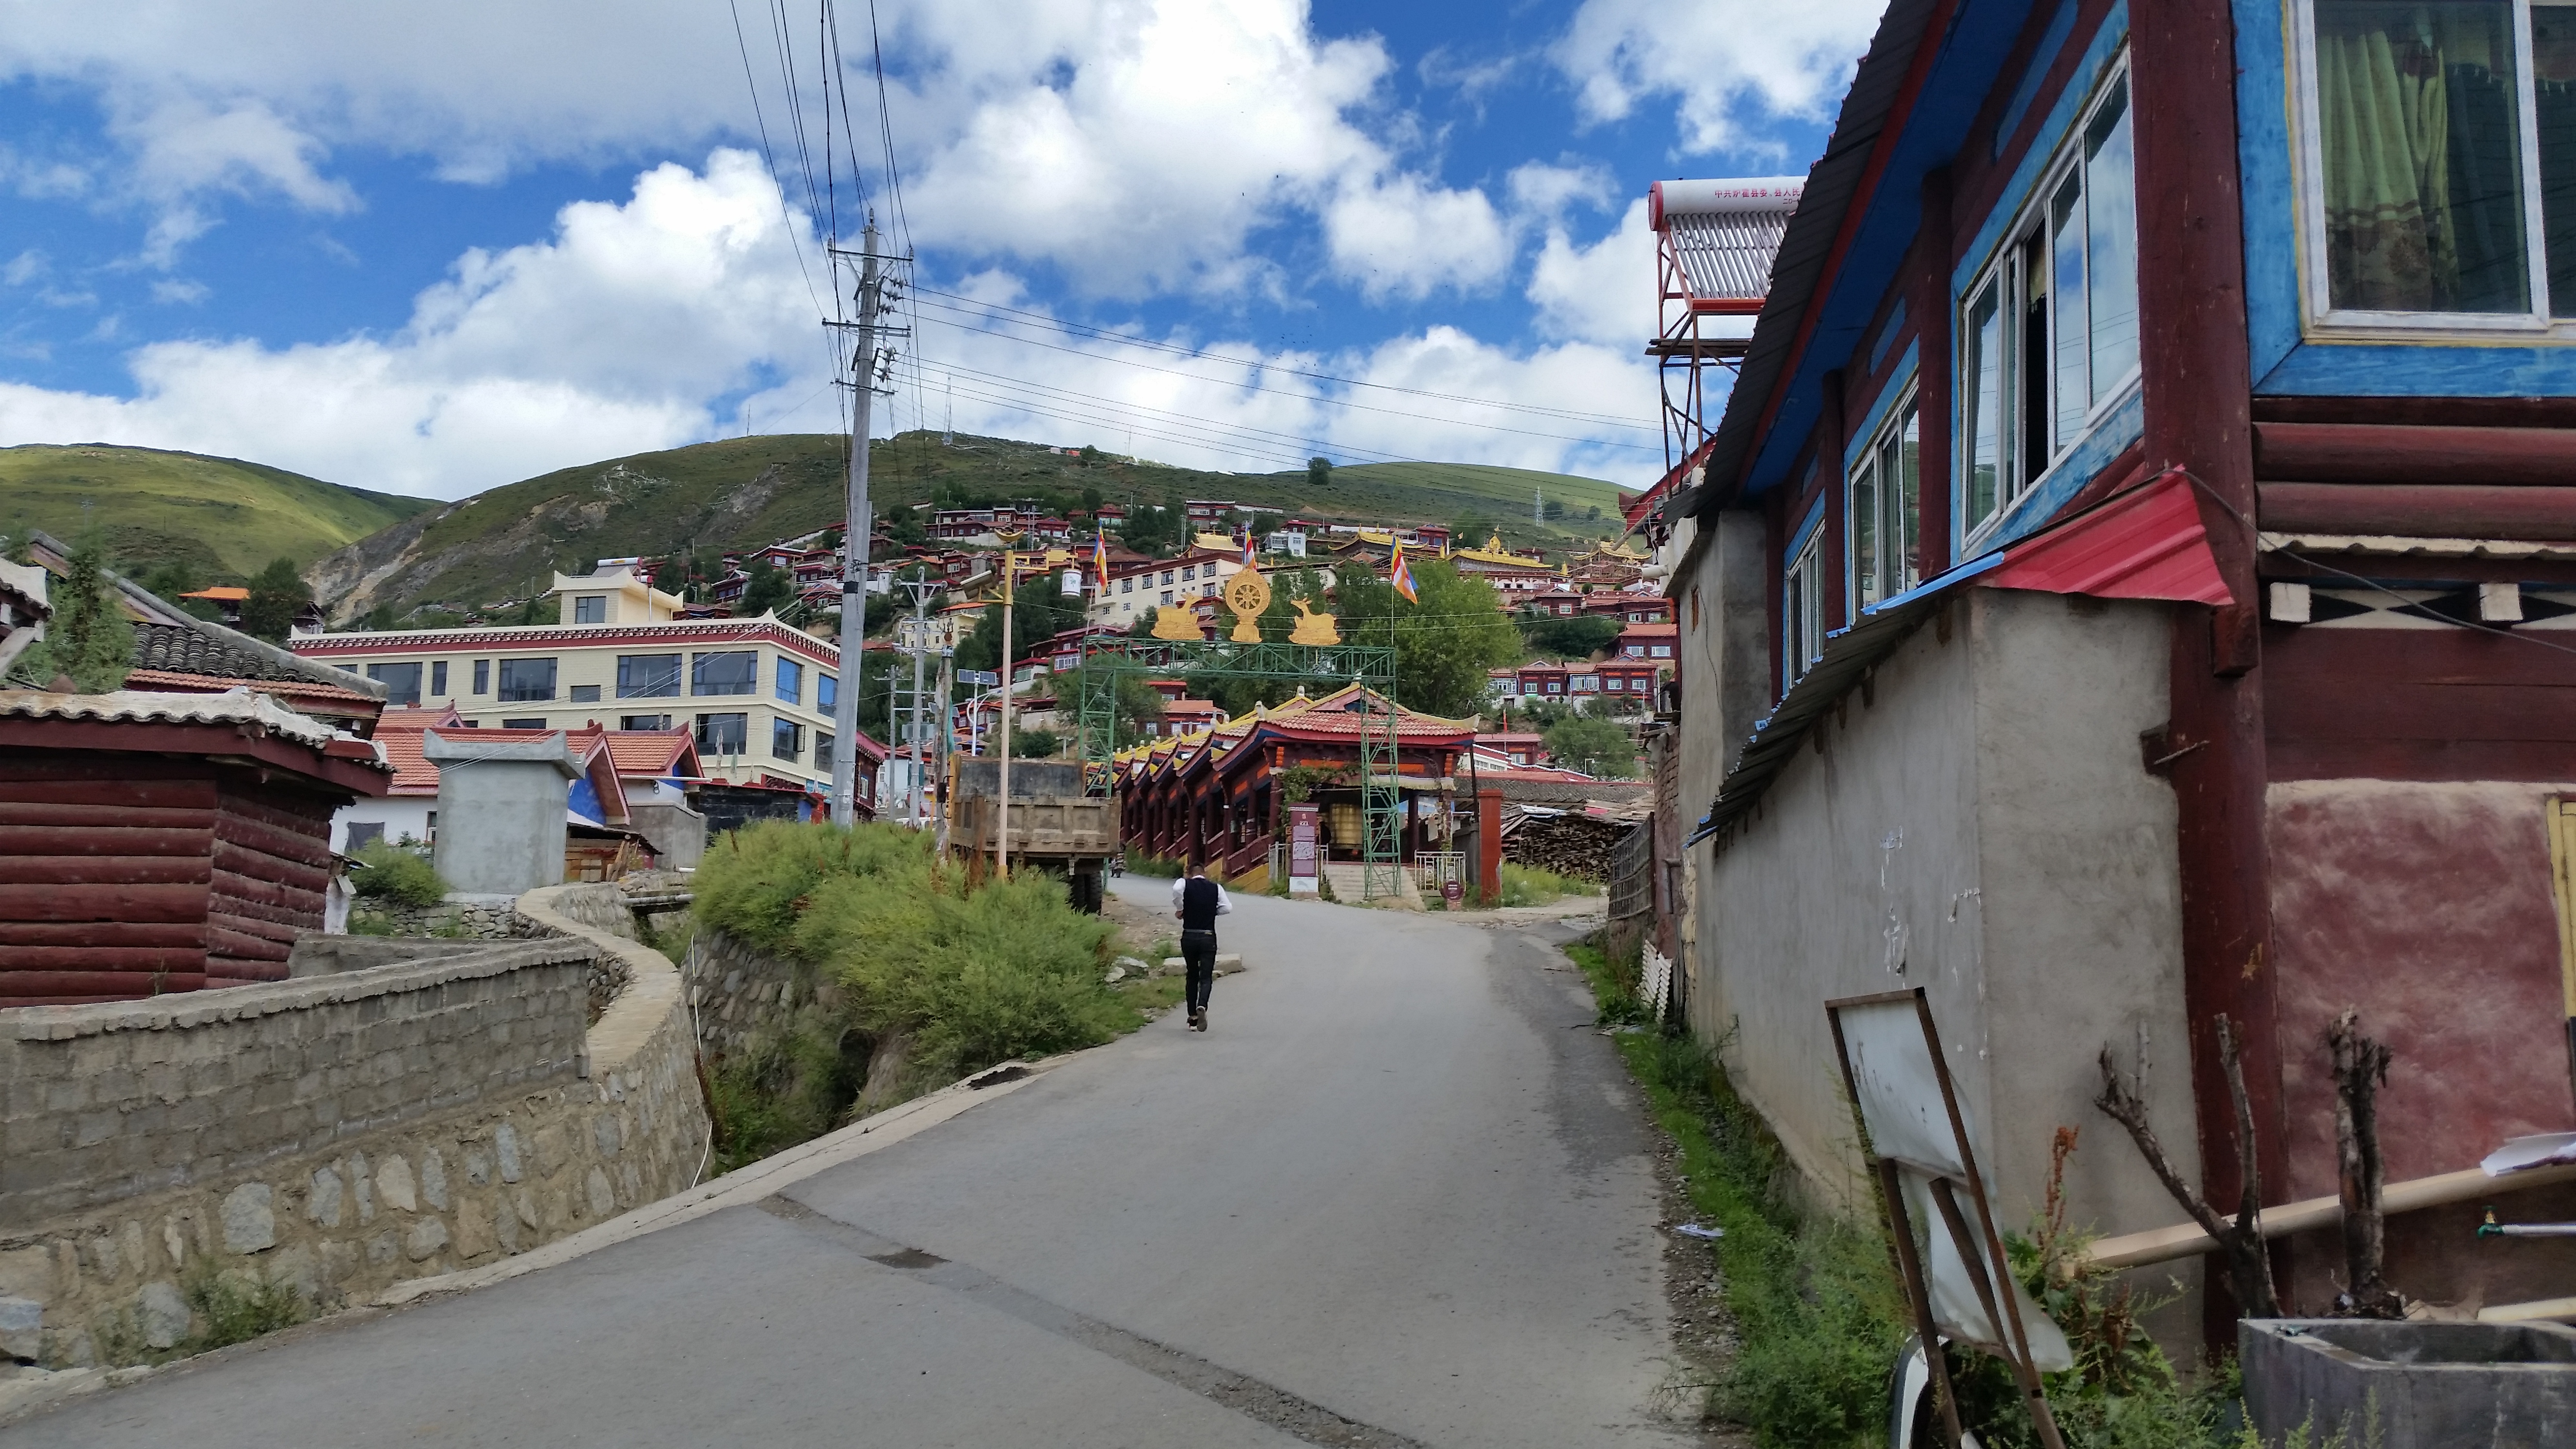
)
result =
(160, 843)
(1211, 798)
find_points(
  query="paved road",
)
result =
(1399, 1195)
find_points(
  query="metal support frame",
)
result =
(1371, 666)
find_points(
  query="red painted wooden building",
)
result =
(2133, 583)
(152, 843)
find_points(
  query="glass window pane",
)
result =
(2553, 62)
(2422, 153)
(732, 671)
(826, 693)
(791, 681)
(2071, 330)
(1985, 429)
(648, 676)
(2111, 237)
(527, 679)
(723, 734)
(401, 682)
(1907, 536)
(1862, 519)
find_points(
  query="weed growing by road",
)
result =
(1820, 1314)
(391, 873)
(237, 1307)
(1528, 885)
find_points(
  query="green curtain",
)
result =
(2422, 154)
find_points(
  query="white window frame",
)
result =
(1802, 609)
(1904, 416)
(2307, 178)
(2002, 271)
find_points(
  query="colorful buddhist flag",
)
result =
(1100, 558)
(1401, 576)
(1249, 558)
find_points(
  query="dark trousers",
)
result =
(1198, 952)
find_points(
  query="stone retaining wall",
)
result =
(744, 998)
(342, 1132)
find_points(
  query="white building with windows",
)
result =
(756, 695)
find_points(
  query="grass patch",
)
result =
(1820, 1313)
(778, 1094)
(1528, 885)
(236, 1308)
(1161, 867)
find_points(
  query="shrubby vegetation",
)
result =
(392, 874)
(968, 973)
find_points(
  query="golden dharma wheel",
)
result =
(1247, 593)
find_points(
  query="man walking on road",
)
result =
(1198, 901)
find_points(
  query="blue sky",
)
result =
(433, 252)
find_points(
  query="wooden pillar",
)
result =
(1489, 844)
(2198, 398)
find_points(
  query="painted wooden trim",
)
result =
(2105, 54)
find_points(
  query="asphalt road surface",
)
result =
(1399, 1194)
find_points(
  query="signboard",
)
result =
(1304, 849)
(985, 677)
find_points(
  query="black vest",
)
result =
(1198, 904)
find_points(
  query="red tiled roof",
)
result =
(419, 719)
(183, 682)
(650, 752)
(413, 775)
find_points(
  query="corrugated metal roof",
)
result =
(133, 706)
(2147, 543)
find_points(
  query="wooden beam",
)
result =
(2452, 510)
(2415, 454)
(2186, 1240)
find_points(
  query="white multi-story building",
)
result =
(756, 694)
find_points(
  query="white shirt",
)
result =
(1224, 905)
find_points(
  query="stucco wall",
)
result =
(1978, 824)
(338, 1133)
(2456, 969)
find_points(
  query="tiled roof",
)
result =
(303, 691)
(413, 775)
(131, 706)
(647, 752)
(183, 650)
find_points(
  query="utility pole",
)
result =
(857, 525)
(947, 739)
(1002, 833)
(920, 646)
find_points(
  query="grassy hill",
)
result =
(217, 517)
(743, 492)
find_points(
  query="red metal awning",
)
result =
(2144, 544)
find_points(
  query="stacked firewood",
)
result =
(1570, 843)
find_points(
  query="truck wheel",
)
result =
(1087, 892)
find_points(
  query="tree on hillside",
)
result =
(1091, 500)
(1593, 745)
(1136, 706)
(769, 589)
(1554, 636)
(277, 595)
(89, 638)
(1319, 472)
(1038, 613)
(1444, 641)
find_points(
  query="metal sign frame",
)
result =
(1978, 1244)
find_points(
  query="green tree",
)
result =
(1034, 744)
(1444, 641)
(769, 588)
(1038, 614)
(1593, 745)
(1138, 705)
(88, 637)
(1554, 636)
(1319, 472)
(1091, 500)
(380, 619)
(1555, 509)
(277, 595)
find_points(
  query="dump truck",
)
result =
(1056, 825)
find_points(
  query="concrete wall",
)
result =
(501, 812)
(339, 1133)
(1979, 825)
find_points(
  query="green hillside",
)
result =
(216, 517)
(744, 492)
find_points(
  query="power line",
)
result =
(1106, 334)
(1305, 396)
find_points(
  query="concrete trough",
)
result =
(2411, 1385)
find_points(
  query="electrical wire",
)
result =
(1029, 318)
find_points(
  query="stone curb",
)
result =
(744, 1185)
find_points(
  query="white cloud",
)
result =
(23, 268)
(1538, 188)
(173, 289)
(613, 336)
(1404, 236)
(1726, 62)
(1602, 293)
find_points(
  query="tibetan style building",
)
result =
(1214, 797)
